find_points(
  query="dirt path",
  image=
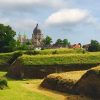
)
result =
(34, 86)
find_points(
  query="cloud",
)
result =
(27, 3)
(67, 16)
(19, 25)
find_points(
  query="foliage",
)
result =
(15, 56)
(47, 41)
(3, 83)
(62, 43)
(94, 46)
(66, 42)
(59, 42)
(32, 52)
(7, 42)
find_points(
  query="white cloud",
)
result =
(67, 16)
(19, 25)
(54, 3)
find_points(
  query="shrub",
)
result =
(94, 46)
(3, 83)
(32, 52)
(55, 52)
(15, 56)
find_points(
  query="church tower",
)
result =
(37, 37)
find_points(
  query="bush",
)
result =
(31, 52)
(14, 57)
(3, 83)
(94, 46)
(55, 52)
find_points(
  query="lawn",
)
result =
(17, 91)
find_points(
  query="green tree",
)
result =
(47, 41)
(66, 42)
(94, 46)
(7, 41)
(59, 42)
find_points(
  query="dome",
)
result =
(37, 30)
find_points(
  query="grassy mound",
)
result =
(78, 82)
(89, 84)
(63, 82)
(39, 66)
(90, 58)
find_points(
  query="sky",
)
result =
(76, 20)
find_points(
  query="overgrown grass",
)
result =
(55, 51)
(88, 58)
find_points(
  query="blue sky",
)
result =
(76, 20)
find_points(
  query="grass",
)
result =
(17, 91)
(63, 82)
(60, 51)
(88, 58)
(68, 76)
(4, 57)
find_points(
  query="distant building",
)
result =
(76, 45)
(37, 37)
(22, 38)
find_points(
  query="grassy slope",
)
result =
(73, 76)
(88, 58)
(4, 57)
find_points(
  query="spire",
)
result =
(37, 30)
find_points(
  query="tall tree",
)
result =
(6, 38)
(59, 42)
(94, 46)
(66, 42)
(47, 41)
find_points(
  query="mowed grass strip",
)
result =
(57, 59)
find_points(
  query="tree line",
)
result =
(8, 42)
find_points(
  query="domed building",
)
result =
(37, 37)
